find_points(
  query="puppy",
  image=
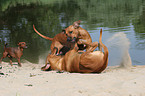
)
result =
(14, 52)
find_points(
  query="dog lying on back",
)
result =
(14, 52)
(86, 62)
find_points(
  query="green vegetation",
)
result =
(51, 16)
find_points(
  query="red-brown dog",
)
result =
(59, 41)
(86, 62)
(75, 31)
(14, 52)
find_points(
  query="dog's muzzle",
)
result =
(74, 40)
(25, 47)
(69, 39)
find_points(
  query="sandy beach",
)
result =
(29, 80)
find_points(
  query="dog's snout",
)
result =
(69, 39)
(25, 47)
(74, 39)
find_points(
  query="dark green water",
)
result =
(51, 16)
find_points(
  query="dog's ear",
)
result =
(76, 24)
(79, 21)
(18, 43)
(63, 31)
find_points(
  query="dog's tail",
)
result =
(105, 52)
(5, 46)
(45, 37)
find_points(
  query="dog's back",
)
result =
(11, 51)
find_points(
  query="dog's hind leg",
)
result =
(10, 60)
(4, 56)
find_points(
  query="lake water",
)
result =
(51, 16)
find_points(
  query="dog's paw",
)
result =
(60, 72)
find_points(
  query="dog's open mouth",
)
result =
(82, 46)
(25, 47)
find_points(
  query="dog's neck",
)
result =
(20, 48)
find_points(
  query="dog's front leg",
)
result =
(19, 63)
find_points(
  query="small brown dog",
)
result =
(14, 52)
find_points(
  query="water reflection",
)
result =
(51, 16)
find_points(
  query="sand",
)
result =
(29, 80)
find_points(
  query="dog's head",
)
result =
(72, 31)
(22, 45)
(76, 24)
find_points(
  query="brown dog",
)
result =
(60, 44)
(14, 52)
(86, 62)
(59, 41)
(75, 31)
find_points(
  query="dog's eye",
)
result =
(70, 32)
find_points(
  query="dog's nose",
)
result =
(69, 39)
(25, 47)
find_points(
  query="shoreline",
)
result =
(29, 80)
